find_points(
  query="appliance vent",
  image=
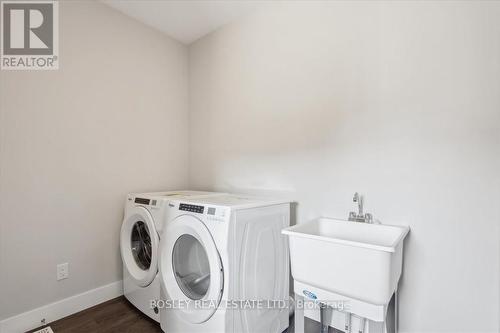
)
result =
(45, 330)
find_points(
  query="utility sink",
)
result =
(357, 260)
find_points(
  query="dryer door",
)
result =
(190, 268)
(139, 243)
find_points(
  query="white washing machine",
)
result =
(220, 257)
(144, 218)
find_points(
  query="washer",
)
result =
(219, 258)
(144, 218)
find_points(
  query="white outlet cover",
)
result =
(62, 271)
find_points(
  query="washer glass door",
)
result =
(191, 267)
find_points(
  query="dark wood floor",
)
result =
(116, 315)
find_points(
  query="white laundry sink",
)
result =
(357, 260)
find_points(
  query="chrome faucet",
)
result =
(359, 199)
(360, 216)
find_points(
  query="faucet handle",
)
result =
(356, 197)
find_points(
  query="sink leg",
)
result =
(390, 324)
(325, 317)
(396, 312)
(299, 314)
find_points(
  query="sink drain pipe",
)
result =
(347, 322)
(325, 317)
(326, 313)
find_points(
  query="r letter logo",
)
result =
(30, 35)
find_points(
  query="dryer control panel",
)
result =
(145, 202)
(142, 201)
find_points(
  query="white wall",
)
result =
(399, 101)
(113, 119)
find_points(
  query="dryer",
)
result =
(144, 218)
(216, 255)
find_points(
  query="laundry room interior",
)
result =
(250, 166)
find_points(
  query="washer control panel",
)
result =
(216, 214)
(192, 208)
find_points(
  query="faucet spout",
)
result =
(360, 216)
(358, 199)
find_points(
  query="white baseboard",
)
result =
(60, 309)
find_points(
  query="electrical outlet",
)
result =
(62, 271)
